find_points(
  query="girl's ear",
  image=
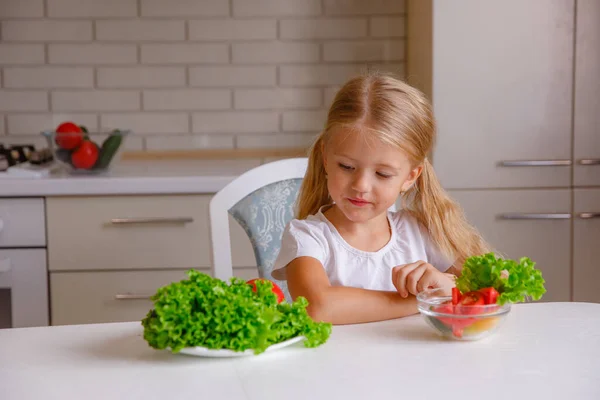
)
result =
(412, 178)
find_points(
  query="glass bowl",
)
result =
(460, 322)
(86, 153)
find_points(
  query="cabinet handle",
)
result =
(535, 163)
(589, 161)
(152, 220)
(1, 225)
(589, 215)
(5, 265)
(132, 296)
(534, 216)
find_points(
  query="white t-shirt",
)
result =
(347, 266)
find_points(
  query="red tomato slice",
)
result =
(472, 299)
(455, 295)
(490, 295)
(469, 302)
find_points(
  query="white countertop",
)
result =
(543, 351)
(135, 177)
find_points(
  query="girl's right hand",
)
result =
(418, 276)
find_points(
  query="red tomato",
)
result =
(490, 295)
(468, 303)
(69, 135)
(457, 324)
(276, 289)
(472, 299)
(85, 156)
(455, 295)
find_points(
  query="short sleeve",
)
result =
(300, 238)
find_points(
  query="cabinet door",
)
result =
(587, 94)
(135, 232)
(527, 223)
(502, 92)
(586, 242)
(111, 296)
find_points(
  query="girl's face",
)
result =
(365, 176)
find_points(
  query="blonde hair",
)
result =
(401, 116)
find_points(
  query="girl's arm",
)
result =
(343, 305)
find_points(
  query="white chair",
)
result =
(262, 201)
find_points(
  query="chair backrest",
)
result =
(262, 201)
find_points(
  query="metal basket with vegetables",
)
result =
(81, 151)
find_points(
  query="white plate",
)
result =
(206, 352)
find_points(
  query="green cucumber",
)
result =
(108, 150)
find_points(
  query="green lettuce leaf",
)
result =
(515, 281)
(204, 311)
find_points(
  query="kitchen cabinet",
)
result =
(516, 94)
(502, 92)
(134, 232)
(586, 245)
(108, 254)
(586, 133)
(23, 268)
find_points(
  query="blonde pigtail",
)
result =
(444, 219)
(313, 192)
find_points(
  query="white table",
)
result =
(543, 351)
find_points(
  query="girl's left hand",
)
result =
(418, 276)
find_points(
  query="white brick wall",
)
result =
(48, 77)
(187, 99)
(141, 77)
(95, 100)
(92, 8)
(92, 54)
(188, 73)
(22, 9)
(47, 31)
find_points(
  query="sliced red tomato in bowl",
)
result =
(455, 295)
(490, 295)
(469, 304)
(472, 299)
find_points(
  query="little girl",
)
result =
(353, 259)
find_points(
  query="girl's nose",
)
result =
(361, 182)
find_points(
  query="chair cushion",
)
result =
(264, 214)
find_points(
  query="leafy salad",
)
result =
(205, 311)
(500, 280)
(491, 282)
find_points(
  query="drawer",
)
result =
(539, 227)
(22, 222)
(82, 233)
(586, 252)
(89, 297)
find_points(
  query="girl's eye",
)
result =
(384, 176)
(344, 166)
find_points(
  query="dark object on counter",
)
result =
(16, 154)
(41, 157)
(3, 163)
